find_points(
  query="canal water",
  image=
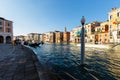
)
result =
(64, 60)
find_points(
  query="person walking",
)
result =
(13, 43)
(22, 44)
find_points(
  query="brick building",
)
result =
(66, 36)
(6, 30)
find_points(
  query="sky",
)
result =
(40, 16)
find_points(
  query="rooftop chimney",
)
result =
(114, 8)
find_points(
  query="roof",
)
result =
(79, 32)
(4, 19)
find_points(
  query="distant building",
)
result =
(89, 37)
(52, 37)
(66, 36)
(58, 37)
(47, 37)
(101, 33)
(90, 31)
(93, 25)
(34, 37)
(20, 37)
(75, 34)
(43, 37)
(6, 30)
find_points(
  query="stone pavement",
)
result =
(17, 63)
(22, 64)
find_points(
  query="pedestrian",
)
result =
(22, 44)
(13, 43)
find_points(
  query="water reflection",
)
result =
(64, 60)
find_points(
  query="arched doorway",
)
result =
(8, 39)
(1, 39)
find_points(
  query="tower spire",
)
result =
(65, 29)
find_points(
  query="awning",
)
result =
(78, 33)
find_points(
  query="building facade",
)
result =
(47, 37)
(20, 37)
(75, 34)
(52, 37)
(114, 25)
(43, 37)
(89, 37)
(58, 37)
(34, 37)
(6, 31)
(102, 33)
(66, 36)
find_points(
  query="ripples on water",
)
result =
(64, 59)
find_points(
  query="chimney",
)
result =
(114, 8)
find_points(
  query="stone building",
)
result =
(6, 30)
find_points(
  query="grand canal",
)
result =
(64, 60)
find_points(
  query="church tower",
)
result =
(65, 29)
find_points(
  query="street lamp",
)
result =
(82, 41)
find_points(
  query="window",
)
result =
(110, 26)
(118, 32)
(105, 34)
(8, 24)
(118, 26)
(118, 14)
(0, 28)
(110, 17)
(0, 23)
(110, 33)
(105, 39)
(106, 28)
(8, 30)
(110, 37)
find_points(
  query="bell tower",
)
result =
(65, 29)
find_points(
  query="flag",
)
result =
(115, 22)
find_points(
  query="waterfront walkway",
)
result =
(17, 63)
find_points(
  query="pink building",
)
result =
(6, 30)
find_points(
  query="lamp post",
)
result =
(82, 41)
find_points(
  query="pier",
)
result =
(17, 63)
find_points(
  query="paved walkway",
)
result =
(17, 63)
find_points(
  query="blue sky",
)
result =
(40, 16)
